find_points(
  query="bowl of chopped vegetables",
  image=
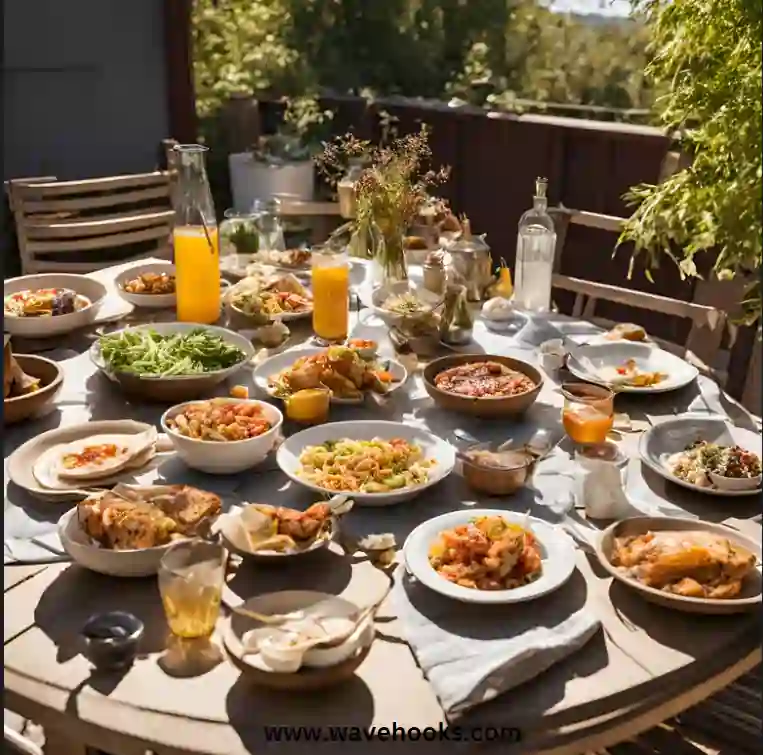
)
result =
(171, 362)
(222, 435)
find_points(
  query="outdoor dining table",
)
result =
(648, 664)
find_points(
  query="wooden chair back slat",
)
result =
(65, 228)
(97, 201)
(163, 252)
(43, 190)
(108, 241)
(68, 226)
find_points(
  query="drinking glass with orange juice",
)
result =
(196, 240)
(588, 412)
(331, 295)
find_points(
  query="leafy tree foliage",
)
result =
(707, 55)
(482, 51)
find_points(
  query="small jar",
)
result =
(309, 407)
(434, 271)
(345, 189)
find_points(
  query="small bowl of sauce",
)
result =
(111, 639)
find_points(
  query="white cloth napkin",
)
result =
(472, 653)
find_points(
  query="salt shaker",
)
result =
(600, 482)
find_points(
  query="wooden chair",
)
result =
(82, 226)
(708, 324)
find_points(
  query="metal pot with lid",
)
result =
(470, 257)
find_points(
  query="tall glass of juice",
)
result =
(331, 295)
(196, 240)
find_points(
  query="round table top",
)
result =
(645, 660)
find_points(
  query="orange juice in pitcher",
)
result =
(331, 295)
(197, 274)
(196, 240)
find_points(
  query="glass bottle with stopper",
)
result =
(536, 246)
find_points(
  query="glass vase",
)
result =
(389, 253)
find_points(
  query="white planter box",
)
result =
(251, 179)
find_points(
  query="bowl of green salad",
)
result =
(171, 362)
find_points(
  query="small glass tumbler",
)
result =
(588, 412)
(191, 576)
(331, 295)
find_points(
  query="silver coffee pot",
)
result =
(470, 258)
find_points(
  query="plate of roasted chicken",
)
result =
(341, 369)
(124, 532)
(684, 564)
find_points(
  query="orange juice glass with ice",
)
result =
(588, 412)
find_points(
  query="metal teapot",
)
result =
(470, 258)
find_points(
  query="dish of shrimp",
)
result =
(487, 553)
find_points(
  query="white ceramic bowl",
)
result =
(735, 483)
(225, 457)
(130, 563)
(45, 327)
(294, 600)
(147, 301)
(276, 364)
(672, 436)
(557, 554)
(374, 298)
(433, 447)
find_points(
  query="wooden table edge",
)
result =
(590, 734)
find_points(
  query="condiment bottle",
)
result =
(434, 271)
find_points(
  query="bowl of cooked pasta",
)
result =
(377, 463)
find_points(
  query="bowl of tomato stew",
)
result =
(483, 385)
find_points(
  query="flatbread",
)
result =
(123, 448)
(45, 470)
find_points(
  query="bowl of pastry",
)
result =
(124, 532)
(42, 306)
(685, 564)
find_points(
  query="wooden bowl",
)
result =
(497, 480)
(482, 407)
(748, 600)
(51, 378)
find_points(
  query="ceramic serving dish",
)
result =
(482, 407)
(749, 599)
(225, 457)
(19, 408)
(47, 327)
(432, 447)
(175, 388)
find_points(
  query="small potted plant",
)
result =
(281, 163)
(389, 194)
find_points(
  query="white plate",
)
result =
(45, 327)
(647, 357)
(276, 364)
(433, 447)
(673, 435)
(21, 461)
(557, 549)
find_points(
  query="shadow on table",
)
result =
(712, 508)
(251, 709)
(34, 508)
(77, 594)
(17, 435)
(695, 635)
(327, 570)
(107, 401)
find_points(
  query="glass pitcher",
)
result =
(196, 240)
